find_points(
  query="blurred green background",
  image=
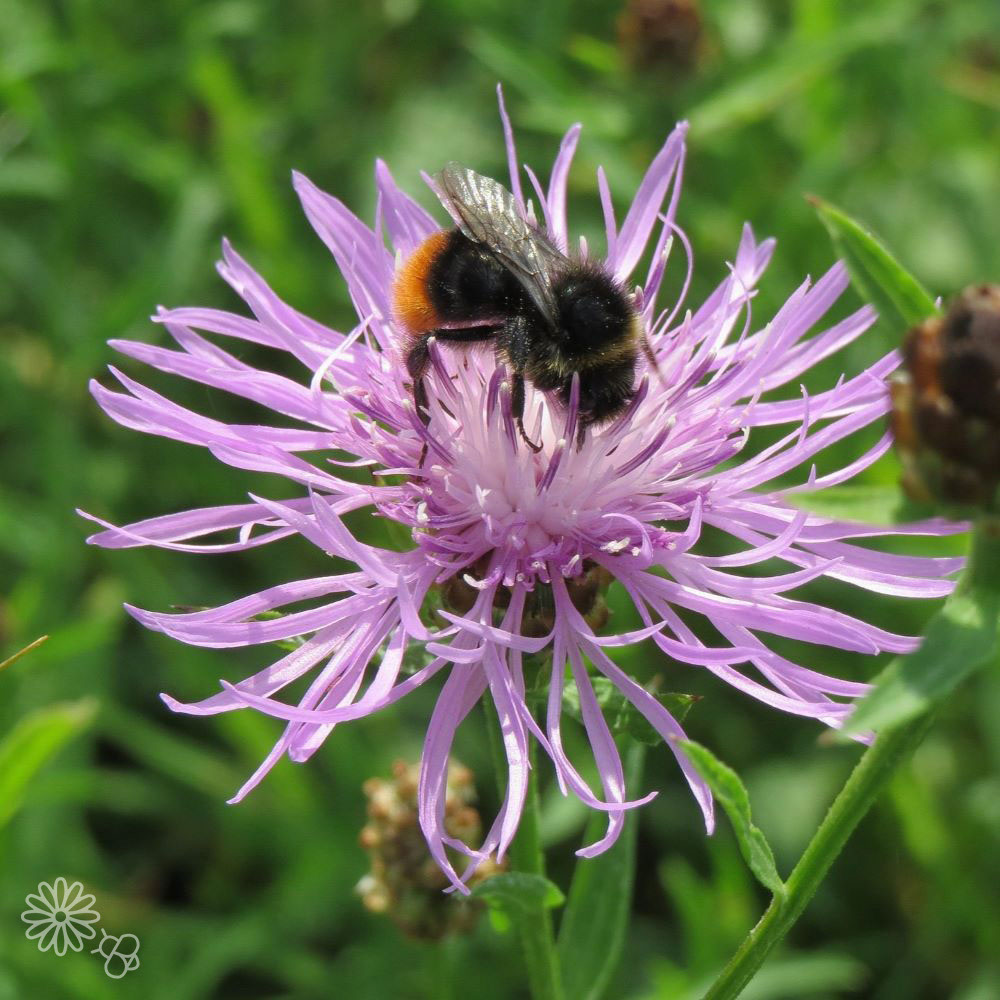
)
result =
(132, 136)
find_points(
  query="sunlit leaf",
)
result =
(788, 70)
(868, 502)
(26, 749)
(790, 977)
(879, 278)
(513, 894)
(731, 794)
(168, 751)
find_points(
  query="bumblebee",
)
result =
(495, 278)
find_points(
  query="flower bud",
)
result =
(405, 882)
(946, 403)
(661, 34)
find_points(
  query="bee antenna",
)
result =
(647, 349)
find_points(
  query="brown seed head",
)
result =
(404, 882)
(946, 402)
(661, 34)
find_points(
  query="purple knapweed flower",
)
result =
(507, 525)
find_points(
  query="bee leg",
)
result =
(517, 408)
(417, 362)
(514, 348)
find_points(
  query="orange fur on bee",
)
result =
(411, 304)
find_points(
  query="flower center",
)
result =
(586, 591)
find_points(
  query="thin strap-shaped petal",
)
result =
(512, 161)
(408, 223)
(460, 693)
(663, 722)
(645, 208)
(269, 680)
(557, 187)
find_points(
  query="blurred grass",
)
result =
(131, 138)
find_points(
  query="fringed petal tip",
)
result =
(172, 703)
(210, 706)
(93, 539)
(149, 619)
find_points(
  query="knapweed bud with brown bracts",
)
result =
(946, 403)
(405, 882)
(661, 34)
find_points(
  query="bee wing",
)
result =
(486, 213)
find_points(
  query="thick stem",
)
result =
(535, 924)
(867, 781)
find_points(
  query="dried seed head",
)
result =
(946, 402)
(661, 34)
(405, 882)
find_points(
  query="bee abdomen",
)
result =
(412, 304)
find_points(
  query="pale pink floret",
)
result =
(634, 499)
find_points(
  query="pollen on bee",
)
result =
(412, 307)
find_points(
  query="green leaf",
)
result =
(593, 927)
(879, 278)
(960, 639)
(623, 718)
(26, 749)
(787, 70)
(167, 750)
(732, 796)
(512, 894)
(793, 976)
(870, 503)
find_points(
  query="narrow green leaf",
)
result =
(26, 749)
(732, 796)
(593, 926)
(166, 750)
(237, 129)
(871, 503)
(513, 894)
(623, 718)
(793, 976)
(786, 70)
(960, 639)
(879, 278)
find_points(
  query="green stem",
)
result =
(535, 925)
(869, 778)
(965, 639)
